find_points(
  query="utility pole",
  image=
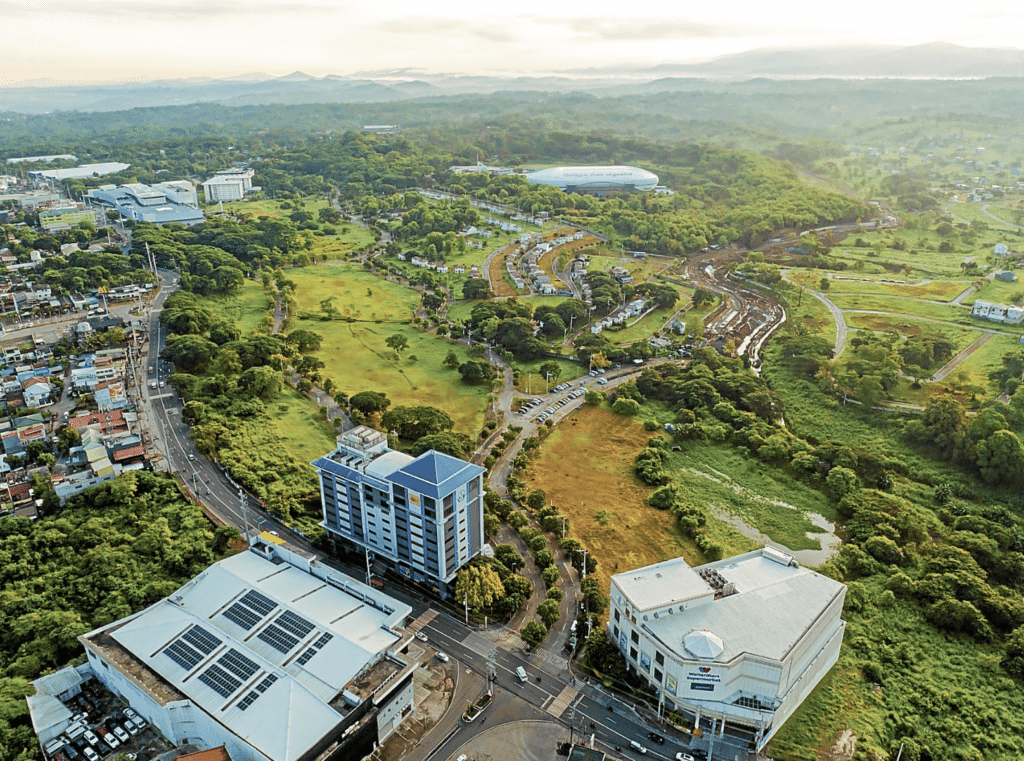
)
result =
(369, 573)
(245, 513)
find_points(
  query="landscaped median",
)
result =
(477, 708)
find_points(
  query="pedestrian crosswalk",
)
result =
(422, 621)
(557, 706)
(479, 644)
(512, 641)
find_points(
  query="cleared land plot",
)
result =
(986, 359)
(530, 381)
(643, 330)
(912, 307)
(355, 293)
(586, 470)
(247, 308)
(357, 358)
(973, 212)
(961, 337)
(998, 292)
(935, 290)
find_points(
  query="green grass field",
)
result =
(986, 359)
(642, 330)
(356, 293)
(973, 212)
(907, 326)
(895, 305)
(299, 427)
(999, 292)
(247, 308)
(531, 382)
(356, 358)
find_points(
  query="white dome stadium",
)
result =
(595, 179)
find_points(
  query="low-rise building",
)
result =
(268, 653)
(157, 204)
(742, 640)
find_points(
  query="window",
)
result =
(635, 638)
(659, 658)
(632, 653)
(615, 630)
(657, 676)
(616, 615)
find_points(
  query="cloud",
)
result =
(442, 28)
(617, 29)
(154, 9)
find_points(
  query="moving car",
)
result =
(655, 737)
(421, 636)
(638, 747)
(684, 757)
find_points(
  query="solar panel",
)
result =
(278, 638)
(260, 603)
(182, 654)
(297, 625)
(238, 664)
(268, 680)
(219, 680)
(248, 700)
(242, 616)
(201, 639)
(305, 658)
(322, 640)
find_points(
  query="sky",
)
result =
(73, 41)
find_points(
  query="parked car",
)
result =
(442, 657)
(130, 713)
(131, 727)
(421, 636)
(638, 747)
(655, 737)
(123, 736)
(90, 754)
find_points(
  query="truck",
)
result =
(152, 385)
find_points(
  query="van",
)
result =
(638, 747)
(76, 730)
(521, 673)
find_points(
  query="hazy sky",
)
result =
(92, 40)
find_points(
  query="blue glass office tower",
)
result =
(423, 515)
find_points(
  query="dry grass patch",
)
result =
(586, 469)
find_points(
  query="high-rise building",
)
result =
(423, 515)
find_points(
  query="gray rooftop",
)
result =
(672, 581)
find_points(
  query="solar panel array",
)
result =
(258, 602)
(322, 640)
(278, 638)
(238, 664)
(184, 655)
(297, 625)
(220, 681)
(201, 639)
(250, 609)
(252, 695)
(306, 657)
(242, 616)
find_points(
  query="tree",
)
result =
(369, 402)
(478, 586)
(550, 370)
(477, 371)
(536, 499)
(452, 360)
(548, 612)
(533, 633)
(593, 397)
(305, 340)
(1000, 457)
(451, 443)
(262, 382)
(841, 482)
(413, 423)
(397, 342)
(476, 289)
(628, 407)
(1013, 660)
(603, 655)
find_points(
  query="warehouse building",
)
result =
(739, 641)
(269, 653)
(423, 515)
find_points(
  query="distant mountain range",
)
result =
(930, 61)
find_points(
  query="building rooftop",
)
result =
(763, 604)
(672, 581)
(220, 753)
(257, 642)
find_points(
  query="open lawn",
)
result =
(356, 358)
(973, 212)
(355, 293)
(248, 307)
(935, 290)
(531, 382)
(907, 326)
(349, 237)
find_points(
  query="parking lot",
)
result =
(103, 726)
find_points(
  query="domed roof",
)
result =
(703, 645)
(595, 176)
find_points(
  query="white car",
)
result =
(684, 757)
(421, 636)
(130, 713)
(120, 734)
(90, 754)
(443, 657)
(638, 747)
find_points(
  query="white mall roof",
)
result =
(771, 610)
(291, 714)
(672, 581)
